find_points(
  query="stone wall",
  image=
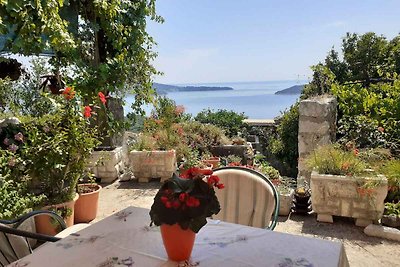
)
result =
(317, 126)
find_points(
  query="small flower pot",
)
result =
(214, 161)
(87, 204)
(178, 243)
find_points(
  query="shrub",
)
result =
(230, 121)
(392, 172)
(330, 159)
(285, 145)
(15, 199)
(378, 126)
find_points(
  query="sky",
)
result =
(259, 40)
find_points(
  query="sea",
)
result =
(255, 99)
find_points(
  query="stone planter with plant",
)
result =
(342, 186)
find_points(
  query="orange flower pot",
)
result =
(87, 204)
(177, 242)
(44, 224)
(214, 161)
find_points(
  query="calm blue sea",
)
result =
(255, 99)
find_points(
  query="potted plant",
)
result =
(391, 215)
(211, 160)
(341, 185)
(181, 207)
(286, 195)
(87, 204)
(55, 151)
(154, 154)
(302, 194)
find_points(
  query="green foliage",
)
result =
(56, 150)
(323, 78)
(270, 171)
(15, 199)
(370, 116)
(392, 209)
(107, 49)
(331, 159)
(366, 56)
(284, 146)
(230, 121)
(391, 169)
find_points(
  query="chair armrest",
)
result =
(41, 237)
(17, 222)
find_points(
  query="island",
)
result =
(294, 90)
(163, 89)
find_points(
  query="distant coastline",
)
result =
(293, 90)
(163, 89)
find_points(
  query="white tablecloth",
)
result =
(125, 239)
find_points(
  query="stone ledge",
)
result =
(382, 231)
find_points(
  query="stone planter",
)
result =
(153, 164)
(226, 150)
(340, 196)
(285, 202)
(107, 165)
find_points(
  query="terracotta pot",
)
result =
(87, 204)
(177, 242)
(214, 161)
(44, 224)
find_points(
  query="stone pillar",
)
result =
(317, 126)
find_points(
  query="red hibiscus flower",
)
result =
(87, 112)
(68, 93)
(102, 98)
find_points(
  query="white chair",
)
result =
(249, 198)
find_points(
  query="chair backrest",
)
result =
(249, 198)
(12, 247)
(14, 242)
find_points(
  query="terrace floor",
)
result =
(361, 249)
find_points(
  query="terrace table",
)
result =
(126, 239)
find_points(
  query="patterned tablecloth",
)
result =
(125, 239)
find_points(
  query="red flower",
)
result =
(102, 98)
(212, 180)
(381, 129)
(183, 196)
(168, 204)
(220, 186)
(87, 112)
(68, 93)
(176, 204)
(164, 199)
(193, 172)
(355, 152)
(192, 202)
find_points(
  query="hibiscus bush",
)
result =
(48, 154)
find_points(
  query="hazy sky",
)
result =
(258, 40)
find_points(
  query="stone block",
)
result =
(325, 218)
(320, 128)
(321, 106)
(382, 231)
(152, 164)
(285, 203)
(106, 165)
